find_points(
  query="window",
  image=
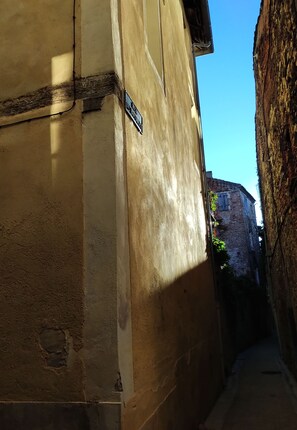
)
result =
(223, 202)
(246, 205)
(153, 33)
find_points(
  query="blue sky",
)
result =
(227, 93)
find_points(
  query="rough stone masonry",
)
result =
(275, 65)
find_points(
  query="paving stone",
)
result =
(258, 395)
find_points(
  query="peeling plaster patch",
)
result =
(118, 386)
(53, 342)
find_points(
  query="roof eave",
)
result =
(197, 12)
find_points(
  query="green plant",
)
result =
(221, 255)
(213, 198)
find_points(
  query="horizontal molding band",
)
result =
(91, 87)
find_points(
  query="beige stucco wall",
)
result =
(107, 290)
(175, 337)
(41, 173)
(65, 269)
(41, 259)
(107, 330)
(33, 35)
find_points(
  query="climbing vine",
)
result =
(213, 198)
(221, 255)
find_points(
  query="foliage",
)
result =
(221, 255)
(213, 198)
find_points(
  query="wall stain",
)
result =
(53, 343)
(118, 386)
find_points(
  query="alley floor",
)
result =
(260, 394)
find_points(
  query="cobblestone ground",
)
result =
(260, 394)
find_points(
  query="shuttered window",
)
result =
(223, 202)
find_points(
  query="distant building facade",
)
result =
(237, 226)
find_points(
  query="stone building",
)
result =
(275, 65)
(107, 309)
(237, 226)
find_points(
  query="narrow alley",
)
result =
(131, 277)
(260, 394)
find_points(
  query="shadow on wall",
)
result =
(178, 372)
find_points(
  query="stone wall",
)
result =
(243, 298)
(275, 65)
(237, 227)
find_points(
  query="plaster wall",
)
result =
(275, 65)
(41, 260)
(64, 267)
(107, 326)
(103, 229)
(97, 42)
(42, 215)
(64, 264)
(175, 336)
(29, 44)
